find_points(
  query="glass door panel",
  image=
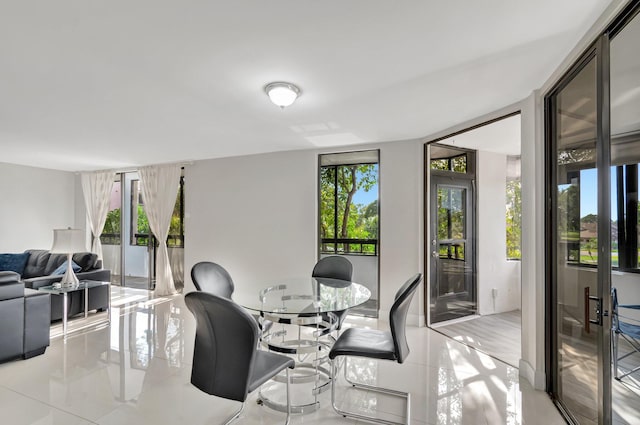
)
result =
(137, 238)
(111, 238)
(452, 277)
(575, 234)
(625, 160)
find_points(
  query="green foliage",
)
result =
(514, 219)
(174, 226)
(339, 216)
(143, 221)
(456, 164)
(459, 164)
(569, 209)
(112, 224)
(591, 247)
(451, 213)
(440, 164)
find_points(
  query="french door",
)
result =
(451, 247)
(593, 157)
(579, 242)
(452, 277)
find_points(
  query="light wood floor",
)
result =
(497, 335)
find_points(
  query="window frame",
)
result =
(335, 240)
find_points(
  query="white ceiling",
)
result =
(500, 137)
(90, 84)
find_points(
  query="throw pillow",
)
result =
(62, 269)
(14, 262)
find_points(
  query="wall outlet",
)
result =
(494, 292)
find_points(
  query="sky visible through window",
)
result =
(365, 198)
(589, 196)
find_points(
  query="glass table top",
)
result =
(53, 289)
(302, 295)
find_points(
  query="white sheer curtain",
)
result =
(96, 188)
(159, 185)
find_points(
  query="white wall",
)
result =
(401, 223)
(532, 365)
(257, 216)
(494, 271)
(34, 202)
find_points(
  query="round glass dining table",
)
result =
(308, 303)
(301, 296)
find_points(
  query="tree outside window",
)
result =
(140, 237)
(513, 209)
(349, 208)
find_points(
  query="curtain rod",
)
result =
(134, 170)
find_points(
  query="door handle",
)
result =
(587, 316)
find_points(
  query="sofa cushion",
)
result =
(86, 260)
(11, 288)
(36, 263)
(62, 268)
(54, 262)
(9, 277)
(13, 262)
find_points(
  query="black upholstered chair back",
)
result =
(225, 346)
(333, 267)
(212, 278)
(398, 316)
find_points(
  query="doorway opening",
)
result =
(472, 245)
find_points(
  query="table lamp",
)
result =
(68, 241)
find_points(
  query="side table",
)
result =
(83, 285)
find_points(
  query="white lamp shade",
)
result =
(282, 94)
(68, 241)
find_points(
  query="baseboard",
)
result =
(536, 378)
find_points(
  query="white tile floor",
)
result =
(137, 372)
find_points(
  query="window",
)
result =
(578, 214)
(349, 203)
(111, 232)
(624, 216)
(514, 208)
(457, 164)
(140, 229)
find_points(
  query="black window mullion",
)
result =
(335, 209)
(621, 231)
(631, 216)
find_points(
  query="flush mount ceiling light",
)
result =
(282, 94)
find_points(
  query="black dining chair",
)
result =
(334, 267)
(377, 344)
(213, 278)
(226, 361)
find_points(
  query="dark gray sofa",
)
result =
(38, 271)
(24, 319)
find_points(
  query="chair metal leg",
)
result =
(616, 336)
(635, 348)
(235, 415)
(402, 394)
(288, 398)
